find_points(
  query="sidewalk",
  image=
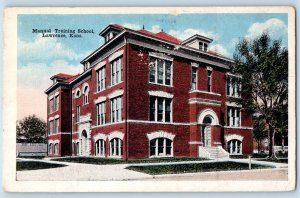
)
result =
(87, 172)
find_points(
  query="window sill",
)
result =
(161, 156)
(153, 83)
(99, 91)
(114, 157)
(239, 97)
(205, 92)
(115, 84)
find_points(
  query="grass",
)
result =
(254, 155)
(33, 165)
(32, 157)
(285, 161)
(103, 161)
(192, 168)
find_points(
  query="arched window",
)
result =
(77, 148)
(100, 148)
(86, 95)
(234, 147)
(50, 148)
(56, 148)
(161, 147)
(115, 147)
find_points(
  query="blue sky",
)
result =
(39, 58)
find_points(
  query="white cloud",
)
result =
(190, 32)
(220, 49)
(155, 28)
(33, 80)
(45, 48)
(132, 26)
(275, 27)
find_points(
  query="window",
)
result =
(74, 148)
(86, 95)
(194, 78)
(50, 148)
(56, 148)
(51, 127)
(77, 113)
(77, 148)
(161, 147)
(100, 108)
(56, 100)
(233, 86)
(209, 72)
(116, 71)
(201, 46)
(116, 109)
(160, 71)
(51, 108)
(116, 147)
(233, 116)
(160, 109)
(56, 125)
(100, 148)
(205, 47)
(234, 147)
(100, 78)
(73, 96)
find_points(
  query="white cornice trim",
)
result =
(161, 56)
(115, 55)
(160, 134)
(100, 65)
(116, 93)
(160, 94)
(204, 101)
(205, 92)
(100, 99)
(243, 128)
(100, 136)
(115, 134)
(233, 136)
(233, 104)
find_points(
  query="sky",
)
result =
(39, 57)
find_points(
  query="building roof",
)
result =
(62, 76)
(161, 35)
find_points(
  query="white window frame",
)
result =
(164, 70)
(77, 113)
(234, 143)
(56, 148)
(100, 79)
(112, 152)
(51, 105)
(234, 121)
(56, 103)
(237, 86)
(194, 84)
(116, 109)
(164, 110)
(116, 71)
(164, 154)
(50, 148)
(56, 125)
(100, 151)
(51, 127)
(101, 113)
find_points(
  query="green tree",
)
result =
(32, 128)
(260, 131)
(263, 64)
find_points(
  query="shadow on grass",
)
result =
(193, 168)
(103, 161)
(33, 165)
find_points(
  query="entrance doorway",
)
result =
(84, 143)
(206, 131)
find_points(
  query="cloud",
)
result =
(132, 26)
(275, 27)
(190, 32)
(44, 49)
(220, 49)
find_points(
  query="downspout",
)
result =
(126, 124)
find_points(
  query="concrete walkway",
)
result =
(92, 172)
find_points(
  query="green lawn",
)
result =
(192, 168)
(34, 165)
(103, 161)
(285, 161)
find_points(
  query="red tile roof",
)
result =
(161, 35)
(117, 26)
(61, 75)
(71, 79)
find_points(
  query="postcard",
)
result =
(149, 99)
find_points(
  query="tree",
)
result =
(263, 64)
(259, 131)
(32, 129)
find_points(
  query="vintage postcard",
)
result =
(149, 99)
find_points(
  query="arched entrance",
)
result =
(206, 131)
(84, 143)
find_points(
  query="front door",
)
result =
(207, 136)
